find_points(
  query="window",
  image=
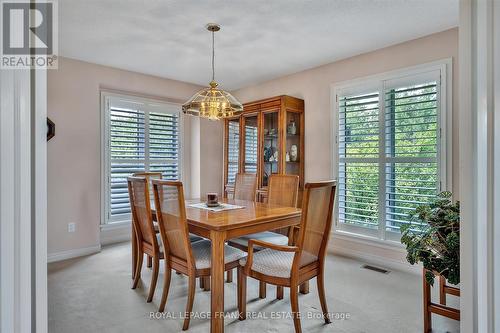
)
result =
(390, 149)
(139, 135)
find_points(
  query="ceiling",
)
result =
(259, 40)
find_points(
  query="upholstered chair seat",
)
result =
(277, 263)
(202, 253)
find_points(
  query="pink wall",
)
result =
(74, 153)
(313, 86)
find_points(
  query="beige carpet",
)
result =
(92, 294)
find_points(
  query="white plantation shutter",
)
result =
(139, 136)
(389, 152)
(233, 150)
(412, 145)
(127, 154)
(358, 159)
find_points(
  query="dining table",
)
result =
(220, 226)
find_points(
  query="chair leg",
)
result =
(262, 289)
(229, 276)
(206, 283)
(166, 286)
(294, 300)
(279, 292)
(242, 294)
(189, 305)
(134, 254)
(304, 288)
(150, 262)
(138, 267)
(322, 298)
(154, 278)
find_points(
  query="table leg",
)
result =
(217, 282)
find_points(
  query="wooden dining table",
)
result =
(224, 225)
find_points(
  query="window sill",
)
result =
(115, 225)
(372, 241)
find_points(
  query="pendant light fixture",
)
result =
(211, 102)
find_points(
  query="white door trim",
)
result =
(479, 59)
(23, 195)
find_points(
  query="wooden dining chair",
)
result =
(291, 265)
(282, 191)
(245, 186)
(147, 240)
(191, 259)
(149, 176)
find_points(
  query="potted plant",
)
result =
(433, 238)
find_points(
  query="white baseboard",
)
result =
(391, 258)
(116, 234)
(63, 255)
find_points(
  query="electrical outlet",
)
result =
(71, 227)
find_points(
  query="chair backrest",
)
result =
(171, 214)
(138, 192)
(283, 190)
(245, 186)
(316, 223)
(149, 177)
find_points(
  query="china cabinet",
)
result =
(268, 138)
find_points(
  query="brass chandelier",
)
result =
(211, 102)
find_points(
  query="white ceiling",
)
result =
(259, 40)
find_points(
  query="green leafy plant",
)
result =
(433, 238)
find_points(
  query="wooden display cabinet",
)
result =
(268, 138)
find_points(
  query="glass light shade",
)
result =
(212, 103)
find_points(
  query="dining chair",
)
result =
(149, 176)
(283, 191)
(245, 186)
(191, 259)
(291, 265)
(147, 240)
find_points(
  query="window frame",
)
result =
(378, 83)
(147, 105)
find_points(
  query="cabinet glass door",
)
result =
(250, 144)
(293, 154)
(271, 146)
(233, 149)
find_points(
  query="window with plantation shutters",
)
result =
(390, 150)
(139, 135)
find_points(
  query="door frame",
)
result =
(479, 58)
(23, 200)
